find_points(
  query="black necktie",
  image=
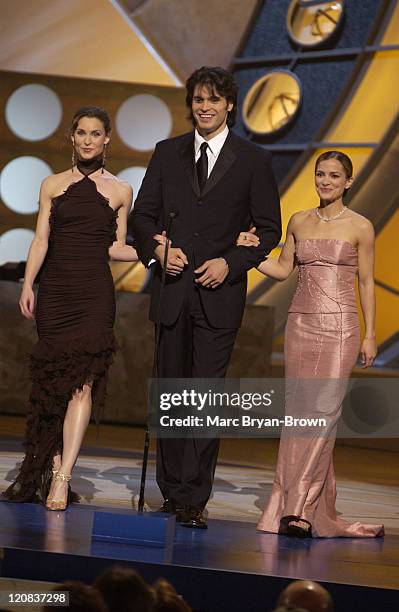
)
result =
(202, 166)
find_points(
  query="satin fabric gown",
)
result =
(321, 348)
(74, 316)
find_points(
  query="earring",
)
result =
(104, 158)
(73, 157)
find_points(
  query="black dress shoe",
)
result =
(192, 517)
(168, 507)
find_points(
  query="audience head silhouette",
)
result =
(124, 590)
(82, 598)
(308, 595)
(167, 599)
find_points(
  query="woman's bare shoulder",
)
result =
(124, 188)
(52, 183)
(300, 216)
(360, 223)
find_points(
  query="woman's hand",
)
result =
(27, 302)
(368, 352)
(161, 238)
(248, 239)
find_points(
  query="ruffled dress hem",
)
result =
(57, 372)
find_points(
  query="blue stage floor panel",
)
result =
(223, 561)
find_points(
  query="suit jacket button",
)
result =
(196, 234)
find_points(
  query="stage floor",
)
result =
(108, 474)
(231, 555)
(230, 559)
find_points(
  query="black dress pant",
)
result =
(191, 348)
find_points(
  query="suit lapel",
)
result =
(225, 158)
(188, 160)
(224, 161)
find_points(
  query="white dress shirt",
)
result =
(215, 145)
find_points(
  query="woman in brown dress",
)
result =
(81, 223)
(331, 245)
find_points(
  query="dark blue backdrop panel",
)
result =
(322, 80)
(269, 35)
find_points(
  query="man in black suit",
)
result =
(217, 184)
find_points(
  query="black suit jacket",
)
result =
(240, 190)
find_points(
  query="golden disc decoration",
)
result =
(272, 102)
(310, 23)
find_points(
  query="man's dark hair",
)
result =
(219, 81)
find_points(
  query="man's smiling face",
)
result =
(210, 111)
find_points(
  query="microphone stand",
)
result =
(158, 324)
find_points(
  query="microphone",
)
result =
(172, 216)
(158, 325)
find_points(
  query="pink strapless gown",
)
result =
(321, 348)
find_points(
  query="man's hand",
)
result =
(176, 259)
(213, 272)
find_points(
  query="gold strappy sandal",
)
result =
(59, 504)
(55, 472)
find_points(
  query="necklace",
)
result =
(330, 218)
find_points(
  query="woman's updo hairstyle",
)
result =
(345, 161)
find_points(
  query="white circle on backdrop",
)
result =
(134, 176)
(14, 245)
(20, 183)
(33, 112)
(142, 120)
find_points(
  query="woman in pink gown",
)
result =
(331, 245)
